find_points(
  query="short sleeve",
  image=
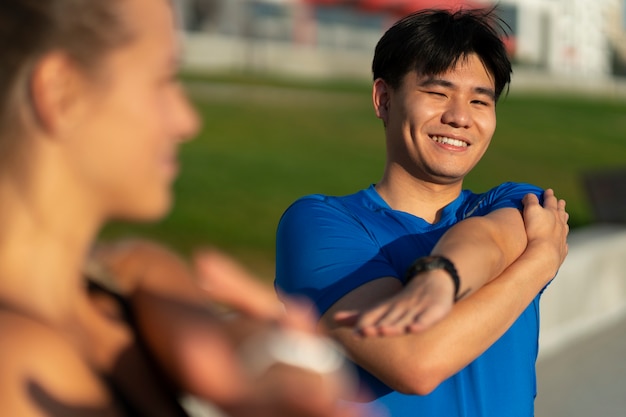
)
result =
(506, 195)
(323, 252)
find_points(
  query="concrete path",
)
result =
(585, 379)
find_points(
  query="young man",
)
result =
(453, 276)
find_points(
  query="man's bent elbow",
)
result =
(418, 387)
(417, 381)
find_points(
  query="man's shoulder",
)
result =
(357, 196)
(511, 187)
(505, 195)
(316, 204)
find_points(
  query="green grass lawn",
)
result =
(262, 146)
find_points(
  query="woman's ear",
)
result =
(55, 88)
(380, 97)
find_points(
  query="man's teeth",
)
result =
(449, 141)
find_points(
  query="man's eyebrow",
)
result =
(432, 81)
(440, 82)
(486, 91)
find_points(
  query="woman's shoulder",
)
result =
(44, 373)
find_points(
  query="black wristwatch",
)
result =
(432, 262)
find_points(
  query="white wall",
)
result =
(219, 53)
(589, 291)
(567, 37)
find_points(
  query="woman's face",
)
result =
(125, 145)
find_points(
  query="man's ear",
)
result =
(380, 97)
(55, 88)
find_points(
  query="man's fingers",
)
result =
(371, 322)
(431, 315)
(347, 318)
(561, 207)
(529, 200)
(382, 321)
(549, 199)
(392, 324)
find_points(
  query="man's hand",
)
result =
(426, 299)
(547, 230)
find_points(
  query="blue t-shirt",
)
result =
(329, 246)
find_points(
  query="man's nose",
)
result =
(457, 114)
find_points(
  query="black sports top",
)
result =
(137, 372)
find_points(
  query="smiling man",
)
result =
(432, 289)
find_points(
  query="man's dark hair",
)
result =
(432, 41)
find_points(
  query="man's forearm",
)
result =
(417, 363)
(481, 248)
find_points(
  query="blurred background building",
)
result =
(578, 39)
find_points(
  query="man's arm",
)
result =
(417, 362)
(480, 248)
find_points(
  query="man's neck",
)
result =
(421, 198)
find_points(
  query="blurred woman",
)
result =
(91, 115)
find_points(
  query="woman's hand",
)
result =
(259, 362)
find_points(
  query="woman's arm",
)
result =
(199, 347)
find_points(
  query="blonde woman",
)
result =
(91, 115)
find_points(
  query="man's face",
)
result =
(438, 127)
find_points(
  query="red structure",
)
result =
(400, 7)
(403, 7)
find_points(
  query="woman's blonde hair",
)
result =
(83, 29)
